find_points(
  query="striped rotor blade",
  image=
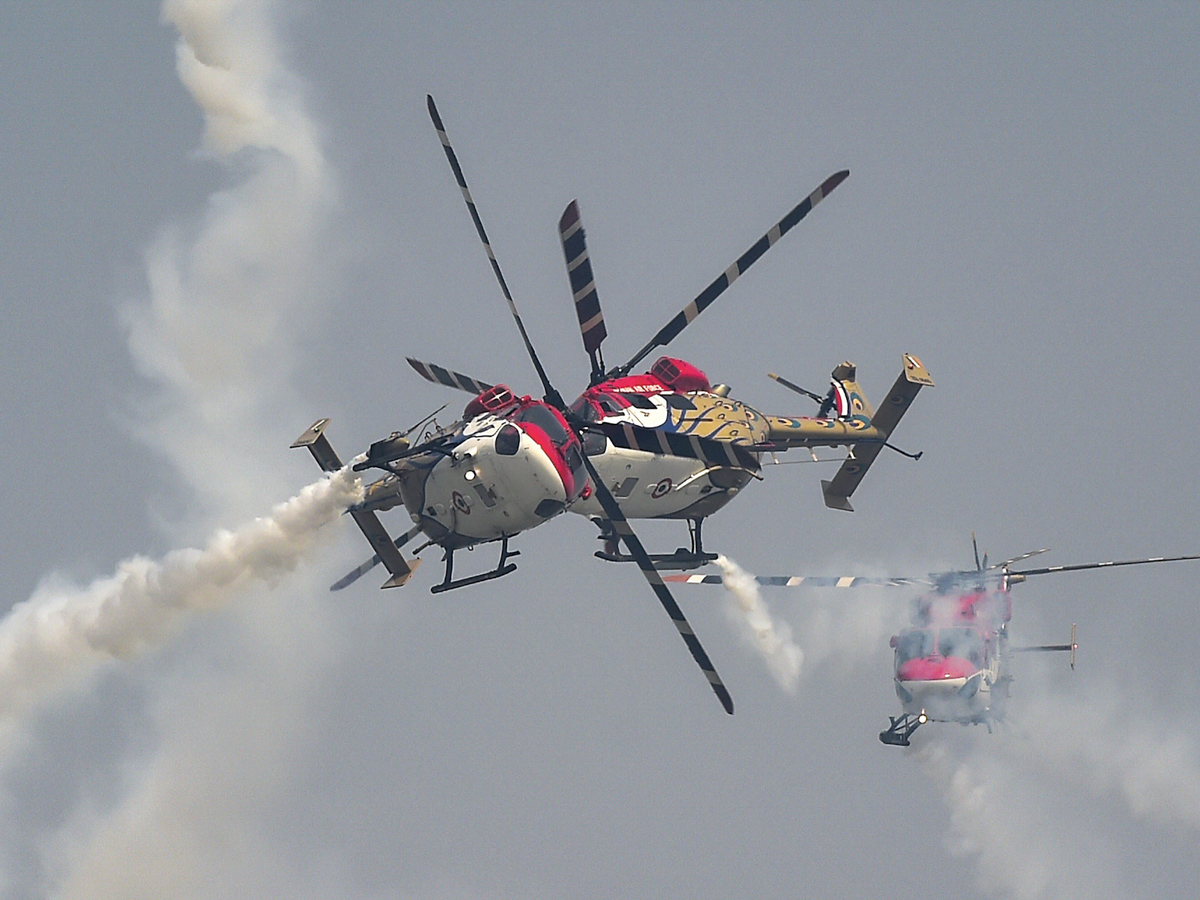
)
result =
(1015, 559)
(1040, 647)
(621, 525)
(673, 443)
(552, 396)
(448, 377)
(671, 330)
(815, 581)
(583, 283)
(353, 575)
(1103, 565)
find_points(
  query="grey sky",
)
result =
(1020, 214)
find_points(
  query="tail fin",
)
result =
(377, 536)
(912, 378)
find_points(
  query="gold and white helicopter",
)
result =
(663, 444)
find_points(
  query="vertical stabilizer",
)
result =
(377, 536)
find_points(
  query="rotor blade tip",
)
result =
(834, 180)
(570, 216)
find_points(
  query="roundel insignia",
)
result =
(461, 504)
(661, 488)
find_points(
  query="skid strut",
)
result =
(503, 567)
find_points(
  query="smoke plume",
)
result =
(1075, 765)
(62, 632)
(231, 294)
(772, 640)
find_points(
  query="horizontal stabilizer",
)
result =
(377, 536)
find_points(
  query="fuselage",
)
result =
(510, 465)
(667, 444)
(947, 666)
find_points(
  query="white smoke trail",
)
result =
(62, 633)
(772, 640)
(1053, 768)
(232, 295)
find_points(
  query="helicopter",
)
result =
(666, 443)
(950, 664)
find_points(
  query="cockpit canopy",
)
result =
(952, 642)
(568, 453)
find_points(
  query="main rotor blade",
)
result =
(818, 581)
(552, 396)
(1104, 565)
(448, 377)
(1016, 559)
(621, 525)
(583, 287)
(669, 331)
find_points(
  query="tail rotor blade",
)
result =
(671, 330)
(613, 511)
(791, 386)
(552, 396)
(583, 287)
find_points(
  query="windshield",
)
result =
(915, 645)
(961, 643)
(544, 419)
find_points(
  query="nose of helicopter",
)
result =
(492, 485)
(940, 688)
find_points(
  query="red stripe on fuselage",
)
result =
(935, 668)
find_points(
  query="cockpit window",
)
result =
(584, 409)
(545, 420)
(594, 443)
(639, 401)
(915, 645)
(961, 643)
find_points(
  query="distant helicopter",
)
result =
(664, 444)
(950, 665)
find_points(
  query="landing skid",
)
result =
(503, 567)
(682, 558)
(901, 729)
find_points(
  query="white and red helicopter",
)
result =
(663, 444)
(950, 665)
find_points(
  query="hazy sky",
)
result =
(222, 220)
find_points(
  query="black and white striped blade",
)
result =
(583, 282)
(552, 396)
(612, 511)
(448, 377)
(1103, 565)
(671, 330)
(847, 581)
(354, 574)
